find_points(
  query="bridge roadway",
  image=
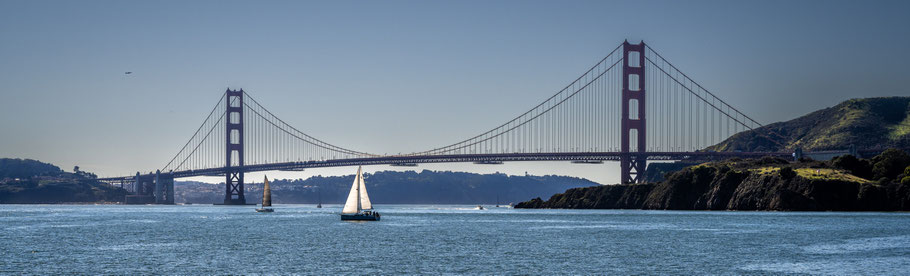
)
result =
(495, 157)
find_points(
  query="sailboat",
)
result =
(358, 206)
(318, 198)
(266, 198)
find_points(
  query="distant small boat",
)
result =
(502, 206)
(266, 198)
(318, 198)
(479, 207)
(358, 206)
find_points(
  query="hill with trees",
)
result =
(870, 123)
(845, 183)
(32, 181)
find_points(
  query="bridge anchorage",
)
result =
(633, 106)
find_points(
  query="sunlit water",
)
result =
(410, 239)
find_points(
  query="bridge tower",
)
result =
(632, 159)
(233, 167)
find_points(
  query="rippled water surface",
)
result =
(300, 239)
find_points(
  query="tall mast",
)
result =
(358, 179)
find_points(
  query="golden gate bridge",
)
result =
(632, 106)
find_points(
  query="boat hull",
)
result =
(359, 217)
(265, 210)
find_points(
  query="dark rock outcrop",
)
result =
(744, 185)
(597, 197)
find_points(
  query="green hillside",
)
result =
(870, 123)
(31, 181)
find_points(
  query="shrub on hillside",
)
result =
(856, 166)
(787, 172)
(889, 164)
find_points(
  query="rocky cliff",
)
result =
(766, 184)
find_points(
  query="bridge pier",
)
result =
(633, 167)
(158, 187)
(164, 188)
(143, 190)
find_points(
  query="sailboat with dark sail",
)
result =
(266, 198)
(358, 206)
(318, 198)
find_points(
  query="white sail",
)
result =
(352, 205)
(364, 198)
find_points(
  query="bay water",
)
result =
(445, 239)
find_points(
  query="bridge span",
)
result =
(631, 107)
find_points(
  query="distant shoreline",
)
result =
(490, 207)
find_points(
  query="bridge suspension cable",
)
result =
(272, 140)
(585, 115)
(268, 139)
(582, 117)
(186, 158)
(707, 120)
(554, 125)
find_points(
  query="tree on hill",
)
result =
(889, 164)
(858, 167)
(31, 181)
(787, 172)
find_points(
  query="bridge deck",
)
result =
(496, 157)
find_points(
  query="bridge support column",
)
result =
(169, 188)
(164, 188)
(633, 159)
(143, 190)
(137, 185)
(158, 188)
(233, 167)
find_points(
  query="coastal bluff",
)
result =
(766, 184)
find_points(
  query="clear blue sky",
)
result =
(440, 71)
